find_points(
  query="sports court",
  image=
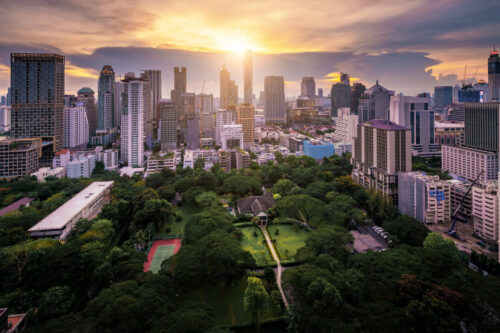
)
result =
(159, 251)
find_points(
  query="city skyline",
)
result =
(363, 40)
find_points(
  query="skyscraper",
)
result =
(494, 75)
(274, 99)
(245, 116)
(374, 103)
(308, 87)
(225, 89)
(443, 95)
(357, 90)
(37, 82)
(222, 117)
(248, 77)
(76, 126)
(340, 97)
(149, 120)
(86, 96)
(481, 126)
(132, 126)
(117, 113)
(233, 94)
(320, 92)
(155, 79)
(193, 131)
(415, 113)
(168, 125)
(105, 98)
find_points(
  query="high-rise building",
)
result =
(105, 98)
(248, 77)
(155, 79)
(481, 126)
(468, 163)
(3, 100)
(484, 91)
(320, 92)
(274, 99)
(20, 157)
(180, 86)
(340, 94)
(132, 126)
(308, 87)
(9, 96)
(443, 95)
(485, 210)
(204, 103)
(168, 125)
(233, 96)
(193, 131)
(37, 81)
(232, 136)
(222, 117)
(81, 167)
(415, 113)
(381, 149)
(424, 197)
(149, 120)
(357, 90)
(374, 103)
(225, 88)
(494, 75)
(86, 96)
(345, 126)
(4, 118)
(117, 113)
(467, 94)
(457, 112)
(245, 116)
(76, 126)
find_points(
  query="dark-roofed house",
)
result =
(24, 202)
(256, 206)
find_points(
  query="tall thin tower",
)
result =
(494, 75)
(105, 98)
(248, 77)
(224, 87)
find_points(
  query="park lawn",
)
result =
(177, 227)
(290, 238)
(255, 245)
(227, 302)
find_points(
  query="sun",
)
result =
(236, 45)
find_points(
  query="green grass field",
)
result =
(289, 240)
(177, 227)
(255, 245)
(162, 252)
(227, 302)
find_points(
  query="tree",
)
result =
(199, 163)
(283, 187)
(256, 299)
(55, 302)
(408, 230)
(241, 185)
(157, 211)
(301, 207)
(206, 199)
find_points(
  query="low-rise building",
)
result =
(233, 159)
(468, 162)
(19, 158)
(190, 156)
(424, 197)
(159, 161)
(256, 206)
(61, 158)
(318, 149)
(81, 166)
(448, 133)
(458, 190)
(109, 157)
(43, 173)
(485, 210)
(232, 136)
(343, 147)
(86, 204)
(24, 202)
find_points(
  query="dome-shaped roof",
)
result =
(85, 90)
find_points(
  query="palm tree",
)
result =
(141, 239)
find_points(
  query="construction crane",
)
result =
(452, 232)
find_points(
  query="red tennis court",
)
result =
(177, 242)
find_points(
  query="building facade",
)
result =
(424, 197)
(245, 116)
(248, 77)
(81, 166)
(341, 97)
(132, 128)
(308, 87)
(345, 126)
(222, 117)
(168, 125)
(485, 210)
(381, 149)
(37, 83)
(481, 126)
(318, 149)
(105, 98)
(274, 99)
(232, 136)
(4, 118)
(494, 75)
(155, 84)
(19, 158)
(76, 126)
(86, 96)
(468, 162)
(443, 95)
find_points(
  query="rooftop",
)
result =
(16, 205)
(384, 124)
(62, 215)
(85, 90)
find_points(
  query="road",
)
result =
(279, 268)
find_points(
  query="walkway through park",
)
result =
(278, 268)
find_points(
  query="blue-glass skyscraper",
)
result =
(37, 97)
(443, 95)
(105, 98)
